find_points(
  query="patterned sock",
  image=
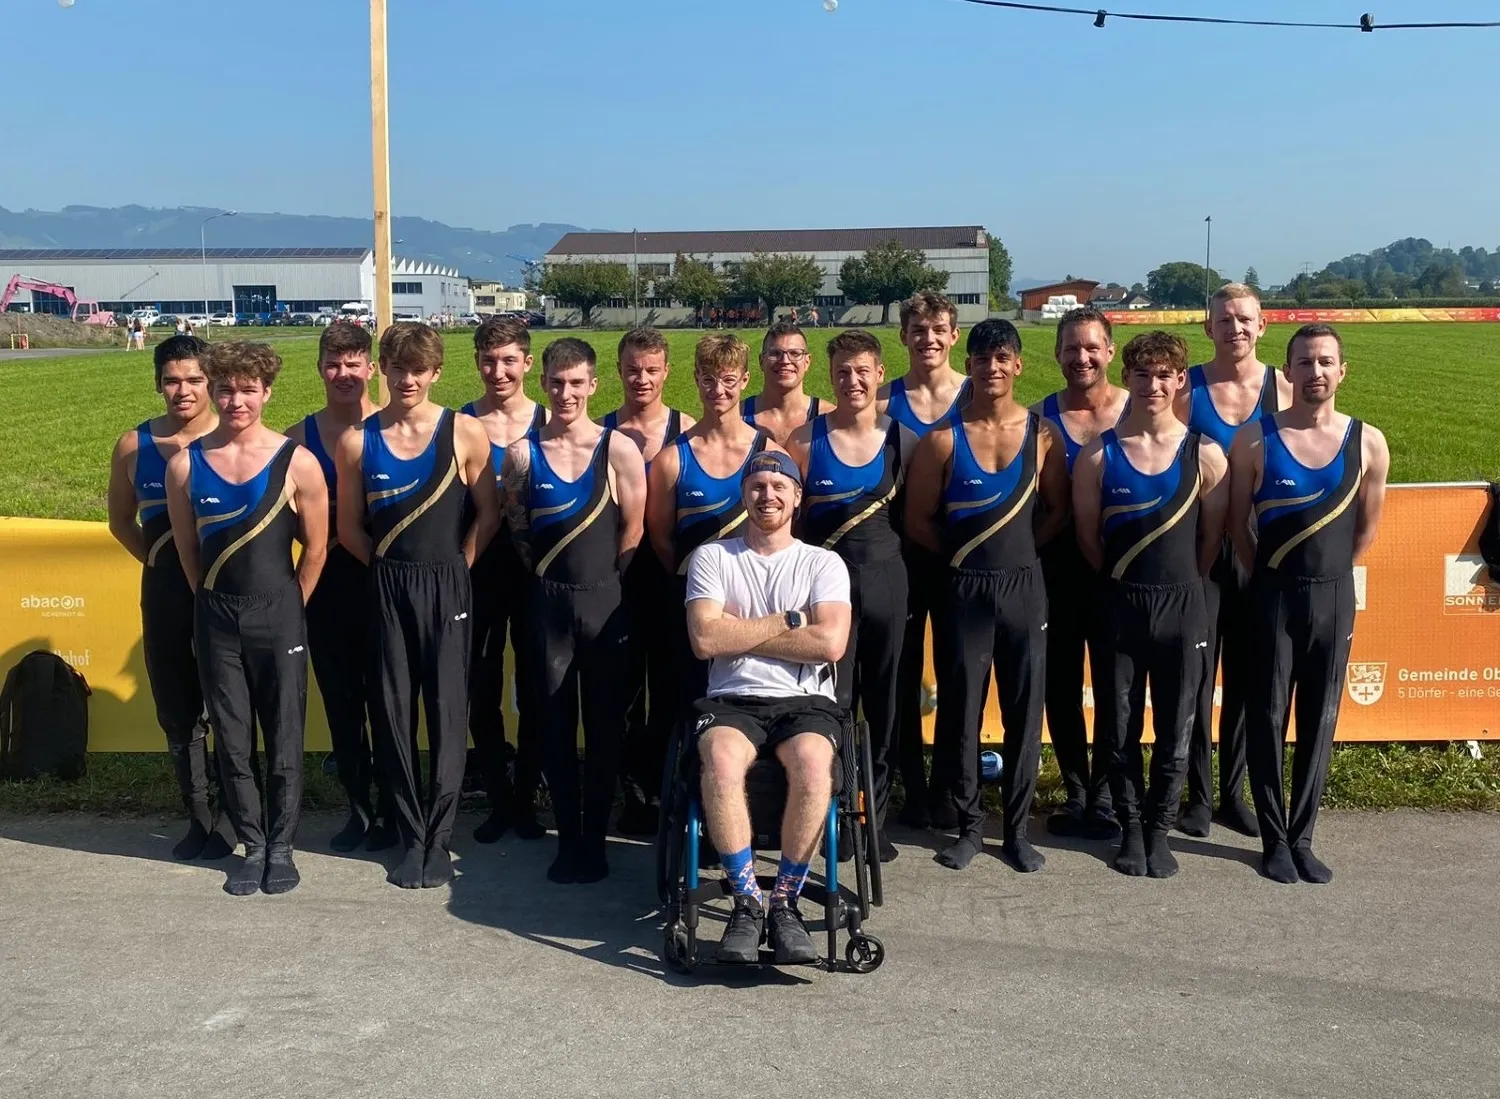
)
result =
(789, 878)
(739, 866)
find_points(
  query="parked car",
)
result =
(197, 320)
(223, 320)
(323, 320)
(165, 320)
(147, 316)
(471, 319)
(250, 319)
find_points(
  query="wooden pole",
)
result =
(381, 156)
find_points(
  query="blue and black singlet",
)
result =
(150, 484)
(854, 510)
(415, 505)
(1150, 520)
(708, 508)
(1052, 410)
(898, 408)
(1204, 418)
(1306, 517)
(987, 521)
(245, 531)
(747, 410)
(668, 437)
(574, 525)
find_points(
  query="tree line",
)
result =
(887, 273)
(1404, 270)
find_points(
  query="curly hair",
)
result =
(235, 359)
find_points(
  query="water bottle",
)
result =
(991, 766)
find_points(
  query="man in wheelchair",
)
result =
(771, 613)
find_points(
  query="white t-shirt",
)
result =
(754, 585)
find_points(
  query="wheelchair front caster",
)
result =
(676, 951)
(864, 953)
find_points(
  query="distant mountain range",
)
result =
(478, 253)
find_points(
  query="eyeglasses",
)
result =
(790, 356)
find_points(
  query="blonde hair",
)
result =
(1232, 291)
(721, 353)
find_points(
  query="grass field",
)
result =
(62, 415)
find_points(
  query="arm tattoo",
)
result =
(515, 488)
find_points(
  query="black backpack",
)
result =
(44, 719)
(1489, 534)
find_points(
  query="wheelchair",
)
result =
(683, 851)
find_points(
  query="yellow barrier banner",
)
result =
(1425, 661)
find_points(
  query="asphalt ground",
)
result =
(124, 974)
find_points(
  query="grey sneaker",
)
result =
(793, 945)
(747, 926)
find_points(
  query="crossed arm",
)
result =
(715, 632)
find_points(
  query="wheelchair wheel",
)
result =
(864, 953)
(669, 824)
(876, 893)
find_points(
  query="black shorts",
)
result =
(767, 722)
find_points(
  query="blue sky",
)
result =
(1090, 152)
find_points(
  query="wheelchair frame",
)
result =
(850, 826)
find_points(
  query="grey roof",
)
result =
(769, 240)
(57, 255)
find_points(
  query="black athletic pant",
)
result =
(581, 635)
(419, 645)
(172, 670)
(336, 639)
(926, 581)
(252, 658)
(651, 677)
(498, 603)
(1229, 613)
(867, 676)
(1073, 620)
(1300, 634)
(999, 620)
(1156, 635)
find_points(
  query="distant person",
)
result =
(239, 497)
(181, 327)
(1307, 485)
(138, 519)
(813, 318)
(796, 317)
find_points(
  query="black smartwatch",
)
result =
(795, 620)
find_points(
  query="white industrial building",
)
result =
(230, 280)
(961, 250)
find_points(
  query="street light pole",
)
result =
(1208, 251)
(635, 280)
(203, 257)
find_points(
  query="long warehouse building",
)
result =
(961, 250)
(229, 280)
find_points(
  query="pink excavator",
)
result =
(84, 310)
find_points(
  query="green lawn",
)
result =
(62, 415)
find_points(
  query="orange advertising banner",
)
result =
(1311, 316)
(1425, 661)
